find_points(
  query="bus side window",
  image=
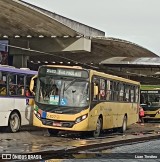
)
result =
(12, 79)
(137, 94)
(111, 91)
(3, 85)
(132, 91)
(121, 92)
(127, 93)
(102, 89)
(108, 91)
(95, 83)
(20, 85)
(116, 91)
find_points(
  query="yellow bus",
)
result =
(77, 99)
(150, 101)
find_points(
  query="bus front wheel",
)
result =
(52, 132)
(97, 132)
(14, 122)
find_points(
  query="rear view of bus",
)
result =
(150, 101)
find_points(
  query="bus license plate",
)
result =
(57, 124)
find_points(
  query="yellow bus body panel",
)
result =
(152, 114)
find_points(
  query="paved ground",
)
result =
(31, 139)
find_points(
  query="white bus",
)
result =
(16, 100)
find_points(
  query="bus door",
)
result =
(105, 106)
(94, 107)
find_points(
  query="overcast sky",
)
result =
(137, 21)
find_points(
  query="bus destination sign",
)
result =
(64, 72)
(150, 91)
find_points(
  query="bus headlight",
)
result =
(81, 118)
(37, 114)
(158, 112)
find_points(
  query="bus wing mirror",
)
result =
(95, 90)
(32, 84)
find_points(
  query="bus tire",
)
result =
(14, 123)
(145, 120)
(97, 132)
(124, 125)
(53, 131)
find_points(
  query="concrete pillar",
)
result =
(20, 61)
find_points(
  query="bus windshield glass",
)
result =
(150, 98)
(68, 92)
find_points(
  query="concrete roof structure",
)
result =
(20, 19)
(102, 48)
(45, 37)
(23, 19)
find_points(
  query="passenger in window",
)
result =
(2, 82)
(12, 90)
(20, 90)
(28, 93)
(3, 91)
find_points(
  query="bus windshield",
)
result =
(150, 99)
(68, 92)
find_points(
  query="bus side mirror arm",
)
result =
(32, 84)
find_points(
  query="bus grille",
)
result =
(67, 124)
(150, 115)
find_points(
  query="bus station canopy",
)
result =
(18, 18)
(133, 61)
(102, 48)
(22, 22)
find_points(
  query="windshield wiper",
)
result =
(68, 85)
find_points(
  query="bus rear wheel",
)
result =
(14, 122)
(124, 125)
(97, 132)
(52, 131)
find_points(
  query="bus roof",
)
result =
(114, 77)
(63, 66)
(150, 87)
(16, 70)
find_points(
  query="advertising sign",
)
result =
(4, 52)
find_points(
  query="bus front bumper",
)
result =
(61, 125)
(151, 115)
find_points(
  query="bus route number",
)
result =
(52, 116)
